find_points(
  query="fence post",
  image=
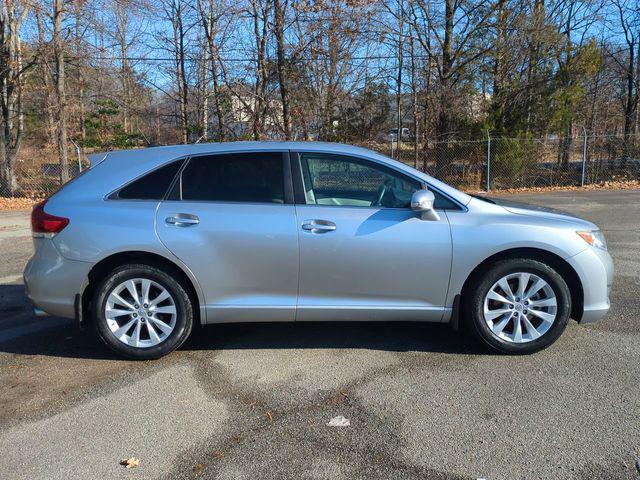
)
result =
(584, 155)
(79, 157)
(488, 161)
(392, 146)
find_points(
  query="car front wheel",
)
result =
(141, 312)
(519, 306)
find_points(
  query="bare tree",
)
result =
(454, 38)
(12, 72)
(210, 14)
(572, 18)
(45, 75)
(326, 77)
(174, 11)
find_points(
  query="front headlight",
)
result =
(595, 238)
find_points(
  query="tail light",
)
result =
(44, 224)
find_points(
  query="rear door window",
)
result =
(256, 177)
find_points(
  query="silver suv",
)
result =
(148, 243)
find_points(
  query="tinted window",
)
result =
(239, 177)
(347, 181)
(443, 203)
(152, 186)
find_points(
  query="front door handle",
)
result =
(182, 220)
(318, 226)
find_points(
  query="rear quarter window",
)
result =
(151, 186)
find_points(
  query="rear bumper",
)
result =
(595, 269)
(52, 281)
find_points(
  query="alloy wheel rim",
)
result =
(520, 308)
(140, 313)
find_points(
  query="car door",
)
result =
(230, 218)
(364, 254)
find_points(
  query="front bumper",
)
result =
(595, 269)
(52, 281)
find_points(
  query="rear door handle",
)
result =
(182, 220)
(318, 226)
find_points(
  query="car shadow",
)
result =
(383, 336)
(51, 336)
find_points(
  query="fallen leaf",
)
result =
(219, 454)
(132, 462)
(198, 468)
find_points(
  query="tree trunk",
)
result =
(157, 125)
(12, 80)
(416, 110)
(498, 66)
(181, 78)
(58, 12)
(282, 67)
(444, 114)
(637, 93)
(260, 32)
(564, 149)
(121, 14)
(216, 96)
(399, 81)
(204, 119)
(79, 71)
(47, 81)
(631, 102)
(533, 63)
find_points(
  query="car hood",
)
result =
(520, 208)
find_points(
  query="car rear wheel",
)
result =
(141, 312)
(519, 306)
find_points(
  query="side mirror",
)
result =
(422, 202)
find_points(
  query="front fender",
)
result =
(476, 238)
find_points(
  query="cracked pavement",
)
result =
(253, 400)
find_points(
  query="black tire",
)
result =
(474, 304)
(183, 304)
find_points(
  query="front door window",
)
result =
(347, 181)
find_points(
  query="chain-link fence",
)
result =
(493, 163)
(496, 163)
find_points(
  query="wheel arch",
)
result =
(102, 268)
(555, 261)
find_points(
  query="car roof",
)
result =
(175, 151)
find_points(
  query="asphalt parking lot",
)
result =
(253, 401)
